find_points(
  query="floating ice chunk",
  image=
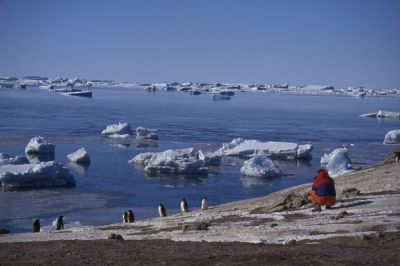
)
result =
(46, 174)
(146, 133)
(250, 148)
(8, 159)
(79, 156)
(39, 145)
(317, 88)
(120, 130)
(181, 161)
(337, 162)
(383, 114)
(260, 166)
(392, 137)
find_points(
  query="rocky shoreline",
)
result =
(367, 209)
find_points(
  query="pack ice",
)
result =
(382, 114)
(337, 162)
(79, 156)
(120, 130)
(39, 145)
(392, 137)
(249, 148)
(260, 166)
(181, 161)
(146, 133)
(45, 174)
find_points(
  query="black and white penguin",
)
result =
(204, 204)
(36, 226)
(161, 210)
(60, 223)
(184, 206)
(125, 217)
(131, 217)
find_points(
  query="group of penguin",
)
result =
(128, 216)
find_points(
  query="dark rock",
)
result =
(196, 226)
(273, 225)
(341, 215)
(365, 237)
(391, 157)
(291, 242)
(4, 231)
(112, 236)
(119, 237)
(350, 192)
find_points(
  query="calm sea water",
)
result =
(110, 185)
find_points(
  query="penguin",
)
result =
(204, 204)
(125, 217)
(36, 226)
(60, 223)
(161, 210)
(184, 206)
(131, 217)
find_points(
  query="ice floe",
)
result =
(392, 137)
(8, 159)
(260, 166)
(337, 162)
(45, 174)
(79, 156)
(39, 145)
(120, 130)
(249, 148)
(383, 114)
(181, 161)
(147, 133)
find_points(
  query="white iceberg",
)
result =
(260, 166)
(337, 162)
(383, 114)
(249, 148)
(45, 174)
(39, 145)
(8, 159)
(120, 130)
(392, 137)
(79, 156)
(146, 133)
(181, 161)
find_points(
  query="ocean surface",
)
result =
(110, 186)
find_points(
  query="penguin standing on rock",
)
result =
(60, 223)
(161, 210)
(36, 226)
(131, 217)
(125, 217)
(184, 206)
(204, 204)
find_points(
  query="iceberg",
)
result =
(45, 174)
(146, 133)
(39, 145)
(260, 166)
(249, 148)
(8, 159)
(337, 162)
(181, 161)
(79, 156)
(120, 130)
(392, 137)
(383, 114)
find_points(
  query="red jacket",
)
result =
(324, 184)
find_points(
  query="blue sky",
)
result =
(342, 42)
